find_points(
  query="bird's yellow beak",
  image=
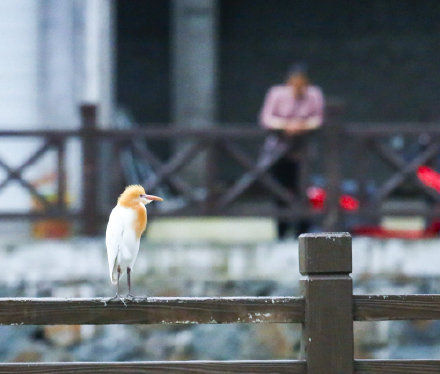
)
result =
(152, 197)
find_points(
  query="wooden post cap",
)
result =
(324, 253)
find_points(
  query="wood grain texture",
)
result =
(396, 307)
(327, 336)
(90, 224)
(160, 310)
(397, 366)
(286, 366)
(325, 253)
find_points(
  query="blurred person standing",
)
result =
(292, 110)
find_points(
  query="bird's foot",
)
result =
(118, 297)
(130, 297)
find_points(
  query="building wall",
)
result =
(379, 57)
(143, 59)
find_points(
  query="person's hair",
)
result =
(298, 68)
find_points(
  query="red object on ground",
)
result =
(429, 177)
(379, 232)
(317, 197)
(348, 202)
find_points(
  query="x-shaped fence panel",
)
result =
(405, 170)
(167, 172)
(230, 165)
(17, 173)
(256, 170)
(398, 172)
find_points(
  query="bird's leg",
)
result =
(129, 295)
(118, 296)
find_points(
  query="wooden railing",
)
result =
(232, 166)
(326, 310)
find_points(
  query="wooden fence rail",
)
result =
(219, 367)
(160, 310)
(326, 310)
(361, 153)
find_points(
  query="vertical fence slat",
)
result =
(211, 177)
(327, 338)
(61, 174)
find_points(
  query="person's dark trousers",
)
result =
(287, 172)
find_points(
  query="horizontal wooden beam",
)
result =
(374, 129)
(190, 310)
(396, 307)
(30, 215)
(278, 366)
(239, 130)
(238, 210)
(157, 131)
(284, 366)
(160, 310)
(397, 366)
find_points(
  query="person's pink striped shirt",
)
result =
(281, 106)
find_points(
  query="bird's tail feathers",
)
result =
(113, 279)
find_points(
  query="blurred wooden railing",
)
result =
(326, 310)
(231, 167)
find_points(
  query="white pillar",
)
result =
(19, 105)
(58, 64)
(194, 70)
(78, 68)
(99, 58)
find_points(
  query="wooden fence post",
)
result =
(90, 170)
(327, 337)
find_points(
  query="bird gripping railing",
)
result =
(326, 310)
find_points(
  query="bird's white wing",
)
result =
(114, 240)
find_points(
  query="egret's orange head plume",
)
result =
(131, 195)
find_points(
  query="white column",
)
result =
(99, 57)
(194, 70)
(19, 105)
(99, 60)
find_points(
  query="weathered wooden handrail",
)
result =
(211, 367)
(397, 366)
(249, 366)
(396, 307)
(155, 310)
(190, 310)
